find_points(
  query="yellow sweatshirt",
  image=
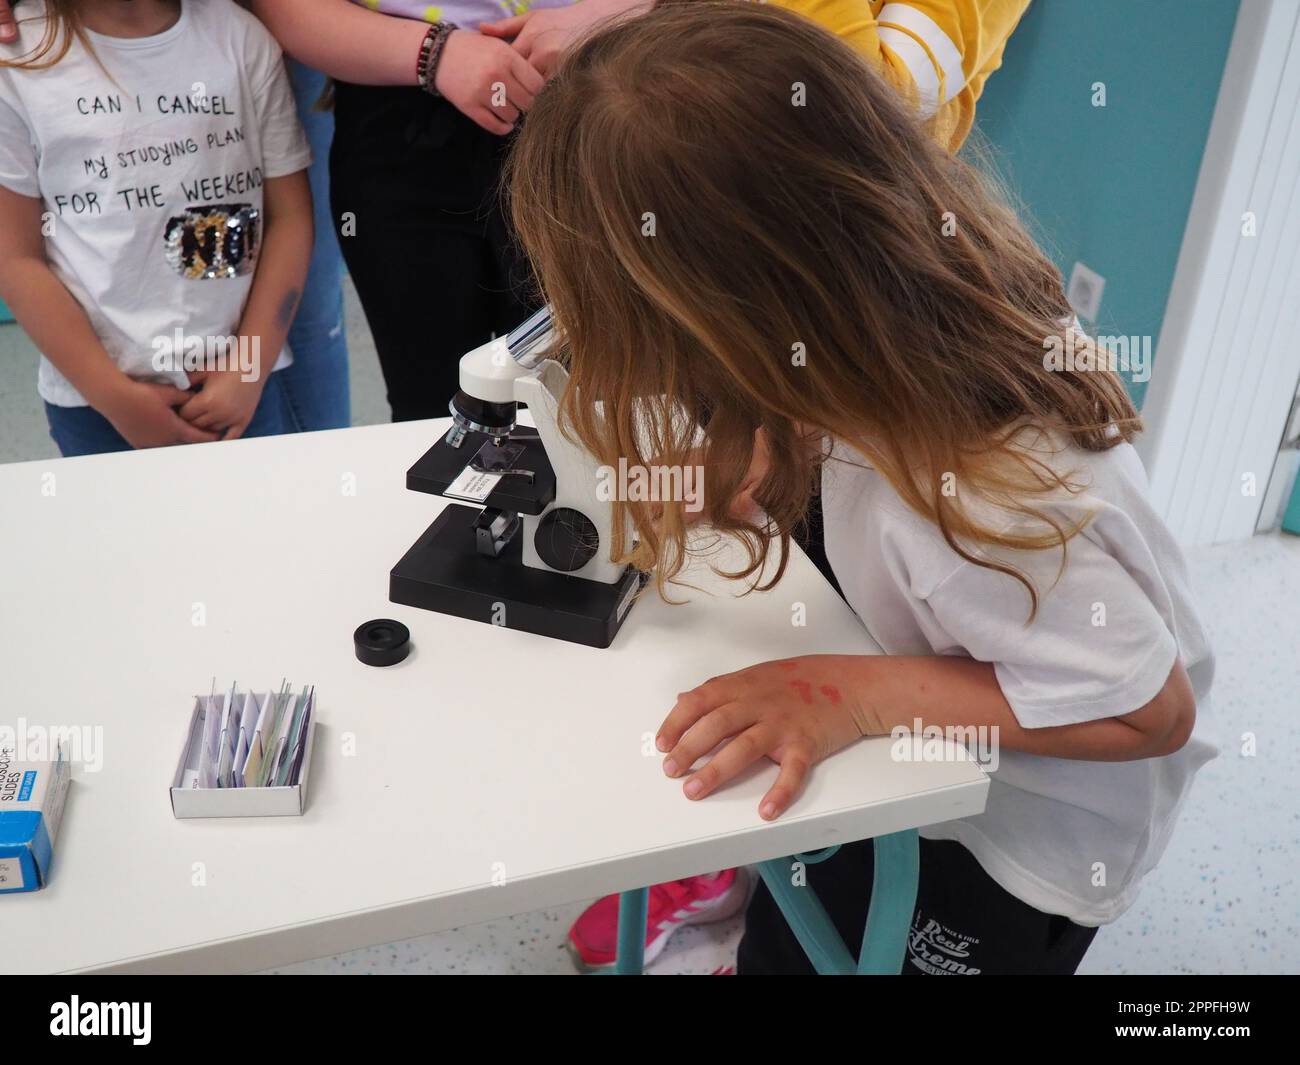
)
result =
(937, 53)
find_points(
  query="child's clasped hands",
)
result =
(218, 406)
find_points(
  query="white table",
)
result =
(492, 772)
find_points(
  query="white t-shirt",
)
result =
(1067, 837)
(152, 179)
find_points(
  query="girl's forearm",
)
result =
(59, 328)
(281, 268)
(946, 691)
(344, 40)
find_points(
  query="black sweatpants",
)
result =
(964, 923)
(415, 192)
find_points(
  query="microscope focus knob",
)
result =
(566, 539)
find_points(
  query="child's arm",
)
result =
(143, 412)
(344, 40)
(937, 53)
(366, 47)
(801, 710)
(227, 401)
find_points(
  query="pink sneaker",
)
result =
(593, 939)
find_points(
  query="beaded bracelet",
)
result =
(426, 64)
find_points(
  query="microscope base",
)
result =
(442, 571)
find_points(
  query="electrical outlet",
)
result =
(1084, 292)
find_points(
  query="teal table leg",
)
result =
(889, 918)
(893, 899)
(1290, 520)
(807, 919)
(632, 909)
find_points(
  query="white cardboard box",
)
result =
(193, 801)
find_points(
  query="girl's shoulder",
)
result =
(32, 19)
(240, 33)
(32, 43)
(226, 14)
(27, 10)
(1089, 486)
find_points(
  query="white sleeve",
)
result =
(284, 144)
(1096, 648)
(18, 161)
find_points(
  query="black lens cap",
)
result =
(382, 642)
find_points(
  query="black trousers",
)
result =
(415, 192)
(965, 924)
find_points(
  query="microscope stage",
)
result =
(438, 467)
(444, 572)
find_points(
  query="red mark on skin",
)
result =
(832, 693)
(804, 689)
(788, 665)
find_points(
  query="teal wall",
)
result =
(1109, 186)
(5, 315)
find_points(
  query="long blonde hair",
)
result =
(711, 189)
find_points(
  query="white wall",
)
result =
(1228, 358)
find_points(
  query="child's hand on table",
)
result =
(796, 712)
(145, 414)
(800, 710)
(225, 403)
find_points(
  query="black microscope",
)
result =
(531, 551)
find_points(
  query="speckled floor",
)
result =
(1225, 899)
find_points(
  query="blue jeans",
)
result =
(84, 431)
(316, 385)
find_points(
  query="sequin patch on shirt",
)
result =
(218, 240)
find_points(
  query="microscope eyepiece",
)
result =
(528, 341)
